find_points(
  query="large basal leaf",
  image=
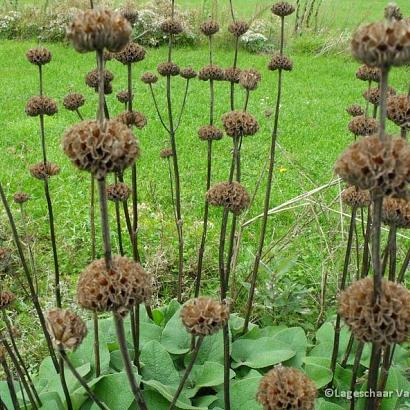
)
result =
(5, 395)
(322, 404)
(211, 350)
(295, 338)
(204, 401)
(318, 370)
(148, 332)
(236, 324)
(51, 401)
(175, 338)
(258, 333)
(163, 314)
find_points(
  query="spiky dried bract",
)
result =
(133, 118)
(166, 153)
(230, 195)
(362, 125)
(373, 94)
(188, 73)
(240, 124)
(381, 167)
(168, 69)
(38, 56)
(210, 133)
(382, 44)
(396, 212)
(367, 73)
(66, 329)
(211, 72)
(204, 316)
(209, 27)
(118, 192)
(100, 151)
(73, 101)
(250, 79)
(97, 29)
(355, 110)
(355, 197)
(386, 321)
(130, 14)
(171, 26)
(123, 97)
(232, 74)
(238, 28)
(282, 9)
(6, 299)
(119, 289)
(42, 172)
(281, 62)
(286, 388)
(398, 110)
(131, 53)
(41, 105)
(21, 197)
(149, 78)
(392, 11)
(92, 79)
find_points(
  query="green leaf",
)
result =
(236, 324)
(5, 394)
(268, 331)
(295, 338)
(318, 370)
(204, 401)
(51, 401)
(211, 350)
(175, 338)
(322, 404)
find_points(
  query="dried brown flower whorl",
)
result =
(355, 110)
(73, 101)
(92, 79)
(210, 133)
(41, 171)
(188, 73)
(171, 26)
(355, 197)
(282, 9)
(100, 151)
(381, 167)
(126, 285)
(232, 74)
(367, 73)
(204, 316)
(134, 118)
(41, 106)
(118, 192)
(108, 56)
(398, 110)
(38, 56)
(280, 62)
(238, 28)
(168, 69)
(21, 197)
(396, 212)
(166, 153)
(97, 29)
(131, 53)
(373, 95)
(385, 322)
(392, 11)
(123, 97)
(149, 78)
(130, 14)
(362, 125)
(211, 72)
(209, 27)
(250, 79)
(66, 329)
(239, 124)
(286, 388)
(382, 44)
(6, 299)
(230, 195)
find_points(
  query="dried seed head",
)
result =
(382, 44)
(21, 197)
(373, 95)
(393, 12)
(73, 101)
(92, 79)
(355, 197)
(118, 192)
(171, 27)
(97, 29)
(38, 56)
(209, 28)
(204, 316)
(166, 153)
(230, 195)
(149, 78)
(66, 329)
(250, 79)
(131, 53)
(386, 321)
(355, 110)
(100, 151)
(211, 72)
(282, 9)
(42, 172)
(362, 125)
(6, 299)
(396, 212)
(41, 106)
(239, 124)
(168, 69)
(286, 388)
(130, 14)
(134, 118)
(398, 110)
(232, 74)
(123, 97)
(280, 62)
(210, 133)
(238, 28)
(108, 56)
(381, 167)
(188, 73)
(367, 73)
(119, 289)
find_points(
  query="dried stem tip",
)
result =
(38, 56)
(230, 195)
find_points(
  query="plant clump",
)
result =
(41, 105)
(229, 195)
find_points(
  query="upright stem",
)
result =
(227, 367)
(355, 370)
(10, 383)
(105, 224)
(64, 384)
(96, 345)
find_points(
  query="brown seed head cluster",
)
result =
(240, 124)
(396, 212)
(188, 73)
(367, 73)
(149, 78)
(42, 172)
(92, 79)
(6, 299)
(250, 79)
(171, 27)
(230, 195)
(286, 388)
(211, 72)
(232, 74)
(123, 97)
(398, 110)
(41, 105)
(280, 62)
(204, 316)
(21, 197)
(100, 151)
(209, 27)
(393, 12)
(381, 167)
(355, 110)
(97, 29)
(355, 197)
(67, 330)
(238, 28)
(38, 56)
(131, 53)
(73, 101)
(373, 94)
(282, 9)
(133, 118)
(118, 192)
(168, 69)
(385, 322)
(130, 14)
(362, 125)
(119, 289)
(166, 153)
(210, 133)
(108, 56)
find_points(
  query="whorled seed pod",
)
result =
(130, 14)
(171, 27)
(118, 192)
(149, 78)
(168, 69)
(100, 151)
(209, 27)
(42, 172)
(21, 197)
(120, 289)
(188, 73)
(92, 79)
(382, 44)
(367, 73)
(99, 29)
(398, 110)
(210, 133)
(230, 195)
(240, 124)
(211, 72)
(286, 388)
(396, 212)
(250, 79)
(166, 153)
(383, 167)
(73, 101)
(373, 94)
(124, 97)
(355, 110)
(282, 9)
(354, 197)
(41, 105)
(6, 299)
(204, 316)
(238, 28)
(66, 329)
(232, 74)
(363, 126)
(385, 321)
(134, 118)
(392, 11)
(131, 53)
(280, 62)
(38, 56)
